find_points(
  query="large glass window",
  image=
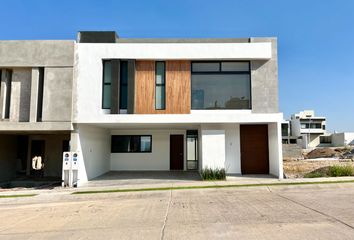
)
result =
(123, 89)
(160, 85)
(107, 81)
(131, 143)
(221, 85)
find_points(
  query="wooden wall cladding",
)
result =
(178, 84)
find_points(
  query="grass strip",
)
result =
(209, 186)
(18, 196)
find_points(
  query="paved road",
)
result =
(293, 212)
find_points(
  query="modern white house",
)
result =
(309, 128)
(139, 105)
(175, 105)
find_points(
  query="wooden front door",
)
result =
(176, 152)
(254, 149)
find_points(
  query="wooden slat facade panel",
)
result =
(178, 92)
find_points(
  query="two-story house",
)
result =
(175, 104)
(309, 128)
(35, 107)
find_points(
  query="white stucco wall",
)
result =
(232, 149)
(342, 139)
(275, 150)
(213, 144)
(157, 160)
(93, 146)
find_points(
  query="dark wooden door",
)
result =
(176, 152)
(254, 149)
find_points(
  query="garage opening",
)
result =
(254, 149)
(32, 160)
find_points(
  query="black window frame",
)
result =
(140, 136)
(123, 84)
(8, 94)
(103, 83)
(161, 84)
(222, 72)
(193, 134)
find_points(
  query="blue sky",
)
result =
(315, 38)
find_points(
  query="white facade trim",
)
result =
(175, 51)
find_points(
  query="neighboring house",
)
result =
(176, 104)
(287, 138)
(35, 105)
(140, 105)
(342, 139)
(310, 128)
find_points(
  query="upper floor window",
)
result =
(114, 72)
(123, 88)
(160, 89)
(221, 85)
(107, 82)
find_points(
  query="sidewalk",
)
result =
(232, 181)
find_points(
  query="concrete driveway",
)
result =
(119, 178)
(278, 212)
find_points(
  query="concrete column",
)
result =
(115, 86)
(34, 94)
(131, 86)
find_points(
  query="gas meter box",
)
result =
(75, 161)
(66, 160)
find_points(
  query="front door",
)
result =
(176, 152)
(254, 149)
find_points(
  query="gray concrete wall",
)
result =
(20, 94)
(264, 75)
(36, 53)
(292, 151)
(8, 156)
(57, 94)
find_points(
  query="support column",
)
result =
(131, 86)
(34, 94)
(115, 86)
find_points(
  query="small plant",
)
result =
(213, 174)
(314, 175)
(338, 171)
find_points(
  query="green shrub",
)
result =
(337, 171)
(213, 174)
(314, 175)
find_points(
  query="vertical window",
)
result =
(192, 149)
(160, 85)
(123, 89)
(107, 81)
(8, 94)
(40, 95)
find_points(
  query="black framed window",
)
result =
(192, 149)
(131, 143)
(221, 85)
(123, 89)
(106, 85)
(8, 93)
(160, 89)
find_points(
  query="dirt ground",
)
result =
(328, 153)
(298, 168)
